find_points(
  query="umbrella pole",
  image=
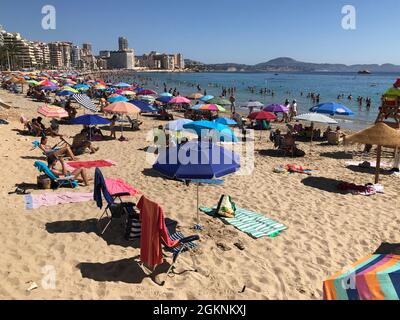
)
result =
(378, 163)
(198, 214)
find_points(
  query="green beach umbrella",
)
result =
(219, 101)
(393, 92)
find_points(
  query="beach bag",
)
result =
(226, 207)
(133, 226)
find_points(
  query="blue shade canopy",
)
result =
(225, 133)
(90, 119)
(177, 125)
(164, 99)
(118, 99)
(226, 121)
(197, 160)
(332, 109)
(143, 106)
(206, 98)
(122, 85)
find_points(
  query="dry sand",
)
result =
(326, 230)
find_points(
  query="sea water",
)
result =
(285, 86)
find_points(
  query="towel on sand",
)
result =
(34, 201)
(254, 224)
(115, 186)
(91, 164)
(368, 164)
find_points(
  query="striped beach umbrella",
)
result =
(52, 112)
(85, 102)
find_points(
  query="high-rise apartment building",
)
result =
(122, 44)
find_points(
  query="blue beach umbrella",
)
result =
(177, 125)
(122, 85)
(206, 98)
(225, 133)
(196, 160)
(226, 121)
(143, 106)
(90, 120)
(164, 99)
(332, 109)
(82, 87)
(197, 107)
(166, 94)
(118, 99)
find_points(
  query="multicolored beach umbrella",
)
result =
(52, 112)
(212, 107)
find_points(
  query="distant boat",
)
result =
(364, 72)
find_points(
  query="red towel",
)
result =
(153, 232)
(91, 164)
(115, 186)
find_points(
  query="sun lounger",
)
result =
(57, 182)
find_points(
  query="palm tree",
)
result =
(12, 52)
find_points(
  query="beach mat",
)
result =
(91, 164)
(254, 224)
(34, 201)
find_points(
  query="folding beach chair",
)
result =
(58, 182)
(115, 209)
(182, 243)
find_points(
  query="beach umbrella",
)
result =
(219, 101)
(122, 85)
(197, 107)
(146, 98)
(85, 101)
(52, 112)
(212, 107)
(46, 83)
(393, 92)
(197, 160)
(82, 87)
(224, 133)
(195, 96)
(143, 106)
(122, 108)
(117, 99)
(253, 104)
(32, 82)
(166, 94)
(177, 125)
(206, 98)
(164, 99)
(332, 108)
(128, 93)
(315, 118)
(64, 93)
(262, 115)
(179, 99)
(146, 92)
(276, 108)
(90, 120)
(380, 135)
(226, 121)
(100, 87)
(49, 88)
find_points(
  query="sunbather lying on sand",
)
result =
(79, 174)
(58, 152)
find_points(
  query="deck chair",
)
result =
(182, 243)
(57, 182)
(114, 209)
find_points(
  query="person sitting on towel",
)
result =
(80, 143)
(79, 174)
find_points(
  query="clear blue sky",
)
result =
(212, 31)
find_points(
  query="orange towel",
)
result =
(153, 232)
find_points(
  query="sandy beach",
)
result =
(326, 231)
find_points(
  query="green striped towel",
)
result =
(254, 224)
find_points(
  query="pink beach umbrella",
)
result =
(179, 99)
(146, 92)
(52, 112)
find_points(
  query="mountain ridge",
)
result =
(286, 64)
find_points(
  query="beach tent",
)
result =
(380, 135)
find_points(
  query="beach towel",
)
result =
(254, 224)
(115, 186)
(368, 164)
(375, 277)
(367, 190)
(153, 230)
(294, 168)
(34, 201)
(90, 164)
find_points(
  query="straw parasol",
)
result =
(381, 135)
